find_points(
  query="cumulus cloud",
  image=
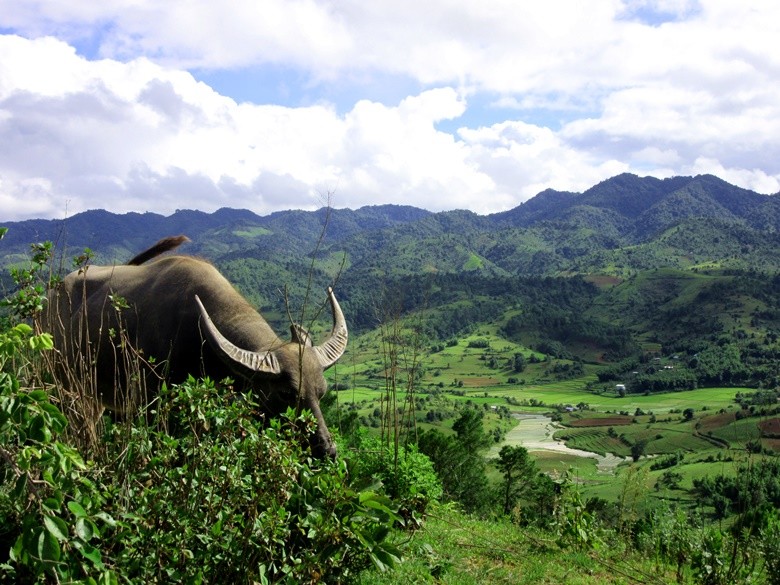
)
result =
(156, 139)
(512, 152)
(100, 103)
(496, 45)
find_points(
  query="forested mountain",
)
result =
(117, 237)
(629, 260)
(628, 220)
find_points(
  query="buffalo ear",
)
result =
(300, 335)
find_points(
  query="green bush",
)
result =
(214, 495)
(770, 547)
(205, 492)
(50, 509)
(408, 478)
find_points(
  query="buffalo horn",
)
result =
(256, 362)
(330, 351)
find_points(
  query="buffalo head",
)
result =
(291, 373)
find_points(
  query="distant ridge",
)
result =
(614, 226)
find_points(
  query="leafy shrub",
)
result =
(409, 479)
(770, 547)
(225, 499)
(716, 561)
(668, 461)
(50, 510)
(205, 492)
(573, 522)
(31, 282)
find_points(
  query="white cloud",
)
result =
(651, 86)
(196, 33)
(498, 45)
(739, 128)
(399, 150)
(754, 179)
(526, 159)
(155, 139)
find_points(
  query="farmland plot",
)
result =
(537, 433)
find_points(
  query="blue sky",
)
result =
(134, 105)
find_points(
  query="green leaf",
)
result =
(70, 454)
(108, 578)
(22, 329)
(39, 430)
(52, 503)
(378, 562)
(57, 421)
(107, 518)
(387, 556)
(15, 554)
(90, 553)
(216, 530)
(374, 500)
(377, 505)
(77, 509)
(85, 528)
(20, 487)
(43, 342)
(48, 549)
(56, 527)
(62, 460)
(38, 395)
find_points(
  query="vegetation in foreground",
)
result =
(204, 493)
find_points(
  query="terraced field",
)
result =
(704, 429)
(538, 433)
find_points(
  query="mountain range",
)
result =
(652, 252)
(624, 223)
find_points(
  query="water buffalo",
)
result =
(178, 316)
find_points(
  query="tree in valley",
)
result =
(459, 460)
(520, 473)
(518, 363)
(638, 449)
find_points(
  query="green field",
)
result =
(252, 232)
(475, 371)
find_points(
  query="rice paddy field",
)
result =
(594, 430)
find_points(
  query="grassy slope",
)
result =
(459, 550)
(456, 549)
